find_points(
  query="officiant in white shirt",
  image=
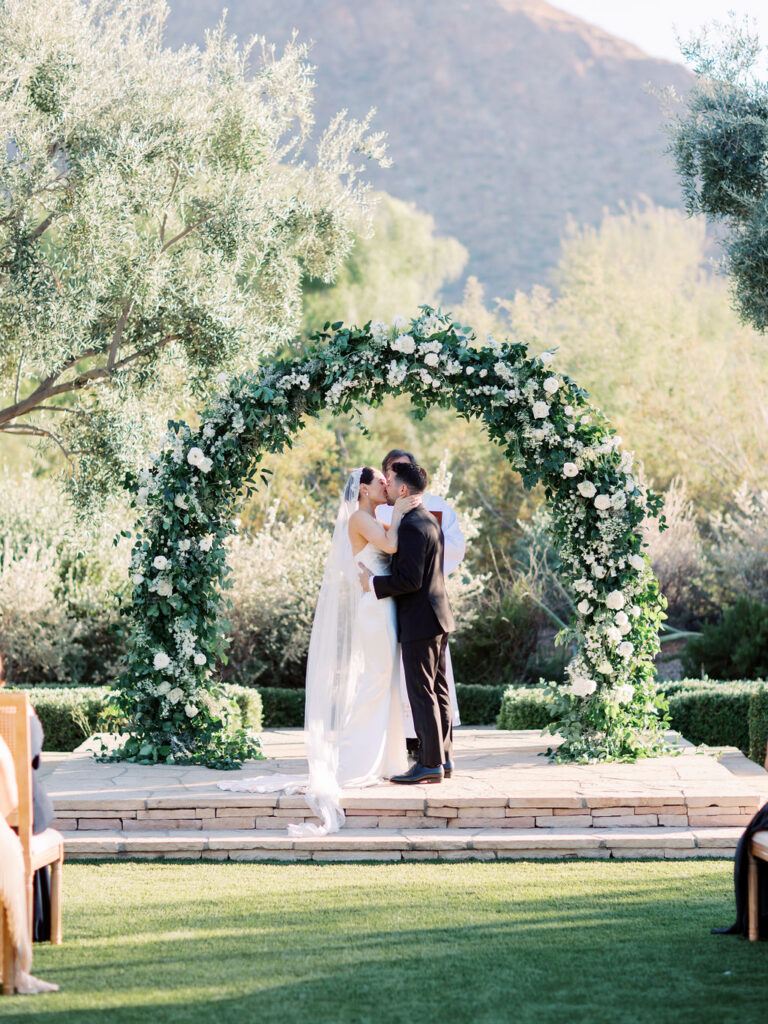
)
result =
(455, 548)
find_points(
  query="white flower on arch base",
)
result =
(611, 709)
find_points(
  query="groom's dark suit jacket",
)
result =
(417, 579)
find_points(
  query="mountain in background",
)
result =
(505, 117)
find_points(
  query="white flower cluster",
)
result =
(196, 457)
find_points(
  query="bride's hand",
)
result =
(410, 501)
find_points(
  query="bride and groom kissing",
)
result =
(381, 627)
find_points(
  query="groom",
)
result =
(424, 621)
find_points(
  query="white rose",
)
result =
(598, 571)
(162, 688)
(185, 545)
(635, 611)
(637, 562)
(625, 693)
(205, 465)
(602, 502)
(190, 710)
(546, 357)
(175, 695)
(399, 323)
(540, 410)
(137, 579)
(570, 469)
(625, 628)
(568, 410)
(206, 544)
(194, 455)
(586, 489)
(551, 384)
(161, 661)
(431, 359)
(615, 600)
(164, 588)
(160, 562)
(200, 659)
(619, 499)
(584, 607)
(180, 501)
(605, 668)
(581, 687)
(470, 370)
(626, 648)
(621, 619)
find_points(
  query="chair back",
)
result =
(15, 711)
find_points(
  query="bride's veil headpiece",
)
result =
(333, 665)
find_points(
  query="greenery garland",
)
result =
(177, 713)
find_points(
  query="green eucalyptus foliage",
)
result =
(544, 425)
(720, 146)
(156, 220)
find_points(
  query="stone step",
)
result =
(408, 843)
(423, 808)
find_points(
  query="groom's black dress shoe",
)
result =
(419, 773)
(448, 769)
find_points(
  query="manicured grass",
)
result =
(573, 942)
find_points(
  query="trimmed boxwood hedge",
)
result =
(718, 714)
(69, 714)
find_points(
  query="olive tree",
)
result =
(157, 217)
(720, 146)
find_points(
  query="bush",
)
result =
(282, 709)
(501, 639)
(524, 707)
(703, 711)
(478, 705)
(70, 714)
(735, 648)
(758, 726)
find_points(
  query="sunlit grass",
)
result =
(476, 942)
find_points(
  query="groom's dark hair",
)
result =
(414, 477)
(394, 456)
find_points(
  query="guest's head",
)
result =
(396, 455)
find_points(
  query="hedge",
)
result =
(718, 714)
(69, 714)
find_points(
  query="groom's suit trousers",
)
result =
(429, 696)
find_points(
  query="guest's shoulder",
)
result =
(435, 503)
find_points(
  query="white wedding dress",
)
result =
(353, 715)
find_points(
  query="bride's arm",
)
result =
(373, 531)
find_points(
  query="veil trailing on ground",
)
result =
(333, 665)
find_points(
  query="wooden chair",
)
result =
(758, 850)
(44, 849)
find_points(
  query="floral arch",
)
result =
(177, 712)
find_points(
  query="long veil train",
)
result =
(334, 663)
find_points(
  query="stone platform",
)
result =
(505, 800)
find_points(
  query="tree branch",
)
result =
(118, 334)
(30, 430)
(186, 231)
(170, 197)
(18, 380)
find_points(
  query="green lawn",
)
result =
(415, 943)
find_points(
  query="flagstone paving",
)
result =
(505, 800)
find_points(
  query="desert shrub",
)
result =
(502, 636)
(58, 580)
(678, 558)
(738, 549)
(736, 647)
(276, 575)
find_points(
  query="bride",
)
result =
(353, 719)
